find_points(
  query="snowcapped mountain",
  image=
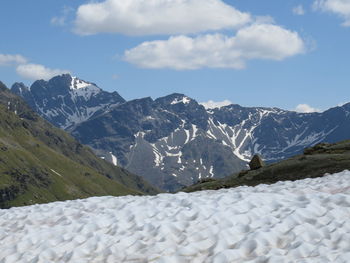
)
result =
(174, 141)
(65, 100)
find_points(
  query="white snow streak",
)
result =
(56, 172)
(184, 100)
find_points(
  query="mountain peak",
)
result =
(64, 78)
(181, 99)
(175, 98)
(66, 100)
(77, 83)
(2, 86)
(19, 88)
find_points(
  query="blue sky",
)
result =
(250, 52)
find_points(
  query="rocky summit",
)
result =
(174, 141)
(65, 100)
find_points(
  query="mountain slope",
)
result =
(40, 163)
(174, 141)
(278, 134)
(315, 162)
(163, 140)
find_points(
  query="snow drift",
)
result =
(302, 221)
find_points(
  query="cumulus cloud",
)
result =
(298, 10)
(338, 7)
(215, 104)
(150, 17)
(257, 41)
(36, 71)
(29, 70)
(7, 59)
(305, 108)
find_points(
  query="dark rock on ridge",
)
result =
(256, 163)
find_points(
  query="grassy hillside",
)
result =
(315, 162)
(40, 163)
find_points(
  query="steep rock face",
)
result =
(270, 132)
(65, 100)
(174, 141)
(277, 134)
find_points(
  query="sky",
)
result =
(291, 54)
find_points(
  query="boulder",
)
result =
(318, 148)
(256, 163)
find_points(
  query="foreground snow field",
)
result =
(303, 221)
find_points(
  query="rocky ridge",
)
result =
(173, 141)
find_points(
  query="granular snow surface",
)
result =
(302, 221)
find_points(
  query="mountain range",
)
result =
(174, 141)
(40, 163)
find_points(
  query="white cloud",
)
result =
(36, 71)
(338, 7)
(29, 70)
(298, 10)
(215, 104)
(149, 17)
(7, 59)
(257, 41)
(62, 19)
(305, 108)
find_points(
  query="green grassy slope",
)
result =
(40, 163)
(315, 162)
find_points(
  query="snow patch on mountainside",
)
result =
(83, 89)
(79, 84)
(73, 117)
(312, 138)
(184, 100)
(236, 137)
(301, 221)
(243, 141)
(52, 170)
(110, 157)
(215, 104)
